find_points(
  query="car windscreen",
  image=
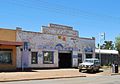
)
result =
(89, 61)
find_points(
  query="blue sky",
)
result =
(89, 17)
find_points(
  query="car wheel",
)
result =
(92, 70)
(80, 70)
(97, 70)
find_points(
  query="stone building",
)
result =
(56, 46)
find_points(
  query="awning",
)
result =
(11, 43)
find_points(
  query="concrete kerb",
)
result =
(40, 75)
(41, 78)
(112, 74)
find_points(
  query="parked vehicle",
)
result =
(91, 64)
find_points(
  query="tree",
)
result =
(107, 45)
(117, 43)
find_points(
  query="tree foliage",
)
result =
(117, 43)
(107, 45)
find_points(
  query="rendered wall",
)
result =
(87, 46)
(46, 42)
(7, 35)
(52, 39)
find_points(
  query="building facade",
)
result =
(8, 46)
(107, 57)
(87, 46)
(57, 46)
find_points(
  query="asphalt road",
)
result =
(81, 80)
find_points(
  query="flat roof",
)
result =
(105, 51)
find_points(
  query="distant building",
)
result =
(107, 57)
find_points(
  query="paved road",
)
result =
(81, 80)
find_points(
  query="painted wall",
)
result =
(7, 35)
(46, 42)
(59, 30)
(52, 39)
(87, 46)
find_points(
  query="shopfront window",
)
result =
(48, 57)
(5, 56)
(34, 58)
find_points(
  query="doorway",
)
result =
(65, 60)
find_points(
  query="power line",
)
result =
(56, 8)
(81, 11)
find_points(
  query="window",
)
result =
(5, 56)
(48, 57)
(88, 55)
(34, 59)
(97, 62)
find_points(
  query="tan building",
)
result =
(8, 46)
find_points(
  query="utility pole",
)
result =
(103, 38)
(99, 48)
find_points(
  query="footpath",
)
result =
(40, 75)
(51, 74)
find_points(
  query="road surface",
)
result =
(81, 80)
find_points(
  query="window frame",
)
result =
(49, 60)
(10, 51)
(36, 57)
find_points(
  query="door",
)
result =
(65, 60)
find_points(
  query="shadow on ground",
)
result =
(25, 70)
(89, 72)
(34, 69)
